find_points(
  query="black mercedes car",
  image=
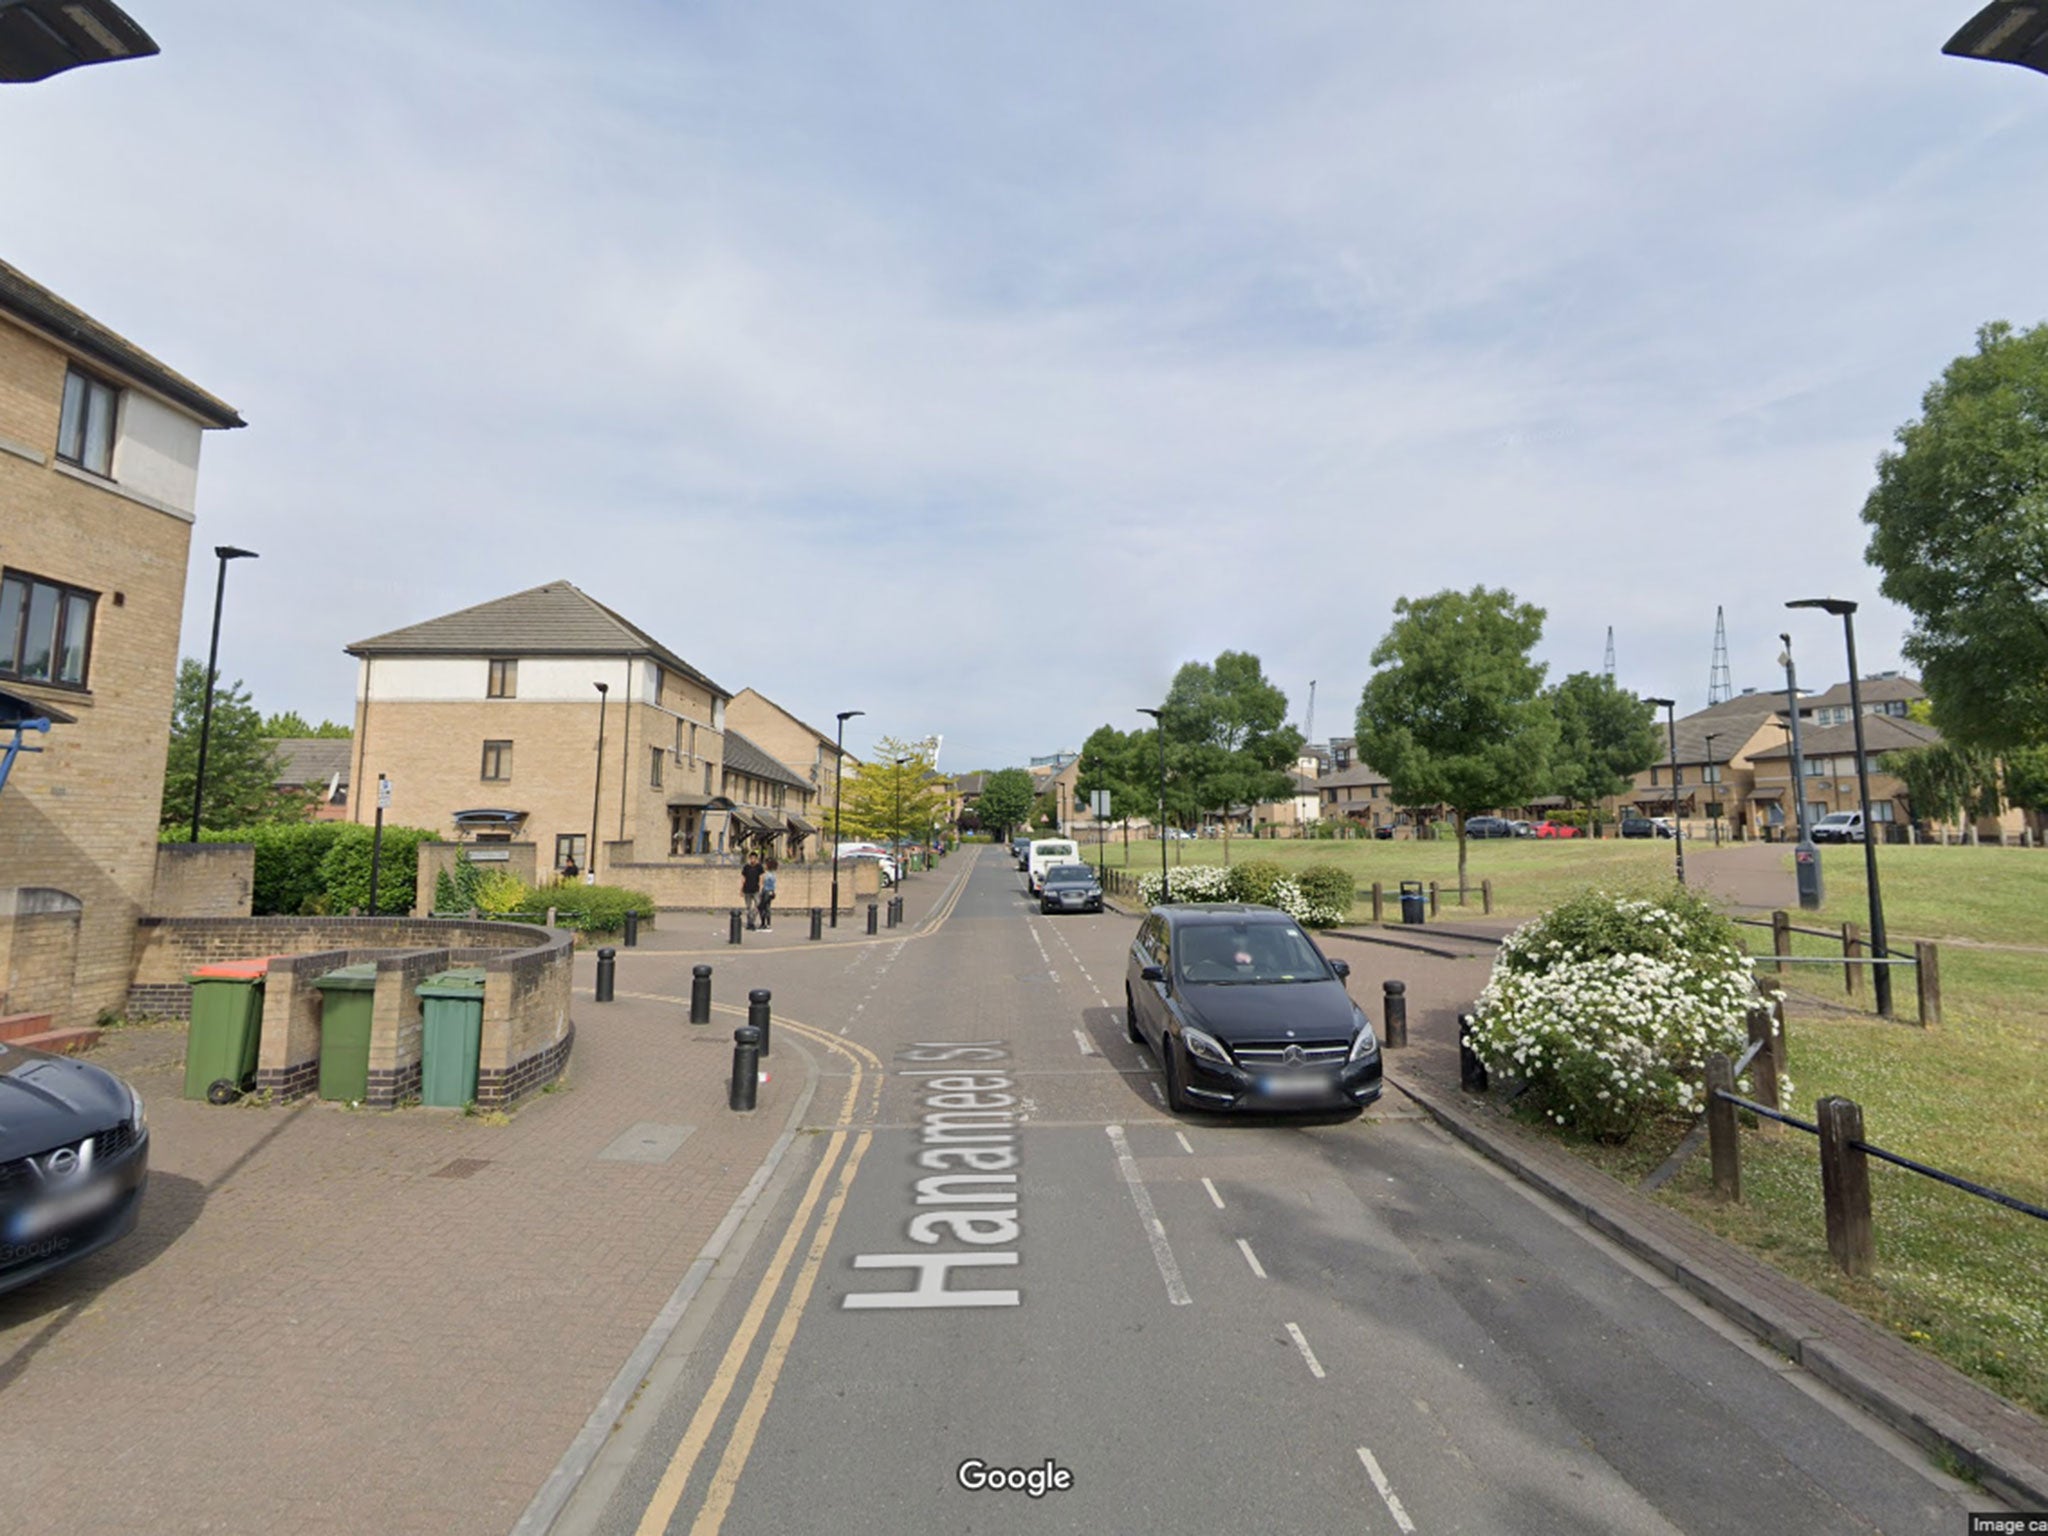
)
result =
(1245, 1013)
(74, 1156)
(1070, 888)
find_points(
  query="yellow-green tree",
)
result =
(893, 795)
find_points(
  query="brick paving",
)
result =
(319, 1326)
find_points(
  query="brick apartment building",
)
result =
(99, 478)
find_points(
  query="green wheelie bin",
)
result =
(452, 1028)
(227, 1022)
(347, 1004)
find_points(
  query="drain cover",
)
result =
(460, 1168)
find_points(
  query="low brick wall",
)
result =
(528, 976)
(687, 886)
(520, 860)
(38, 949)
(203, 880)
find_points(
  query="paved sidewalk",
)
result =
(345, 1321)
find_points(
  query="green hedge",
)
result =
(586, 908)
(345, 871)
(313, 868)
(1253, 881)
(1326, 885)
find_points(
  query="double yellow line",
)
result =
(668, 1494)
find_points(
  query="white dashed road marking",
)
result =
(1087, 1046)
(1212, 1193)
(1260, 1270)
(1162, 1251)
(1301, 1343)
(1386, 1491)
(1182, 1138)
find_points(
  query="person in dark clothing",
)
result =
(767, 893)
(750, 888)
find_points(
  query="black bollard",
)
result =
(757, 1015)
(817, 922)
(700, 994)
(889, 914)
(1394, 1013)
(1471, 1070)
(632, 929)
(873, 911)
(746, 1067)
(607, 958)
(732, 935)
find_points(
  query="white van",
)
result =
(1046, 852)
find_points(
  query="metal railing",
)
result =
(1925, 959)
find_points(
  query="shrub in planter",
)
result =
(1325, 895)
(585, 908)
(1607, 1007)
(345, 869)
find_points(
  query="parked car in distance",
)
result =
(1243, 1012)
(1838, 827)
(1177, 835)
(74, 1158)
(1555, 829)
(1046, 852)
(1020, 850)
(1638, 826)
(1664, 825)
(1523, 828)
(1489, 826)
(854, 852)
(1070, 888)
(1384, 834)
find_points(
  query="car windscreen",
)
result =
(1054, 850)
(1070, 874)
(1237, 954)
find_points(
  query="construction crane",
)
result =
(1607, 665)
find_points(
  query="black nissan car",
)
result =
(74, 1156)
(1244, 1012)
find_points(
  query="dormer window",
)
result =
(85, 428)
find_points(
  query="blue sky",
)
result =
(976, 367)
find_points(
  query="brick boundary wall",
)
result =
(527, 1030)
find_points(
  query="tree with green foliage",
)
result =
(1456, 715)
(1005, 801)
(291, 725)
(2026, 779)
(1945, 782)
(1230, 724)
(883, 801)
(242, 764)
(1959, 527)
(1605, 737)
(1115, 761)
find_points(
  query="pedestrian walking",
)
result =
(767, 893)
(750, 888)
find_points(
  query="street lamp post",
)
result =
(225, 552)
(1713, 786)
(1159, 723)
(1847, 611)
(597, 787)
(2004, 32)
(41, 38)
(1670, 708)
(838, 781)
(896, 820)
(1805, 856)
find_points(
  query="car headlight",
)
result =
(137, 1115)
(1367, 1044)
(1205, 1048)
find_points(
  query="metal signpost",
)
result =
(1098, 807)
(377, 838)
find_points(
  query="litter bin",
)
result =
(1414, 905)
(451, 1031)
(347, 1003)
(227, 1021)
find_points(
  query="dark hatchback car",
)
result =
(1245, 1013)
(74, 1157)
(1489, 826)
(1070, 888)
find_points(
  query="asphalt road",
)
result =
(1183, 1324)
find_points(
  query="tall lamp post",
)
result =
(1165, 880)
(1847, 611)
(896, 820)
(838, 781)
(1713, 783)
(2004, 32)
(1805, 856)
(1670, 708)
(41, 38)
(225, 552)
(597, 788)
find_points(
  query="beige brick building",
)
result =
(810, 752)
(99, 471)
(542, 717)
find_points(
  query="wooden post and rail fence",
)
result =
(1856, 959)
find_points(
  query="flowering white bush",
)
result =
(1608, 1006)
(1193, 882)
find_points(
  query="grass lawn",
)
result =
(1994, 895)
(1529, 875)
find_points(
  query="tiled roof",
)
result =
(556, 619)
(1729, 724)
(1881, 733)
(313, 760)
(28, 300)
(742, 756)
(1357, 774)
(1875, 690)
